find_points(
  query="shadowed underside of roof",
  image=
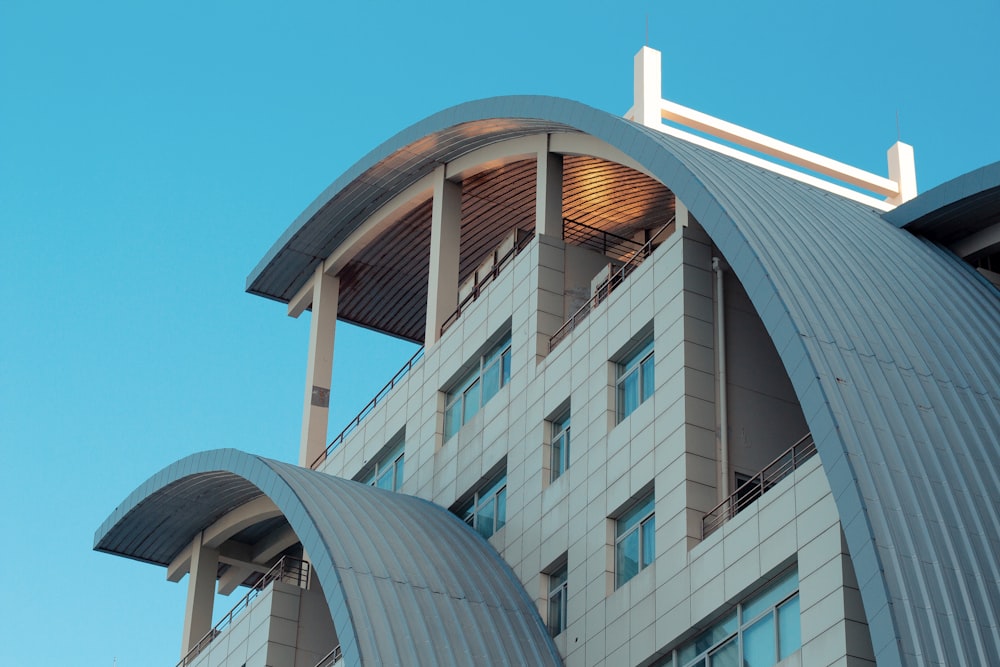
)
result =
(384, 286)
(889, 340)
(953, 210)
(407, 582)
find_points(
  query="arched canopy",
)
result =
(889, 340)
(962, 214)
(407, 582)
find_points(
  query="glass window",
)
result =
(775, 592)
(560, 445)
(486, 511)
(635, 546)
(477, 388)
(387, 472)
(764, 629)
(727, 655)
(557, 601)
(758, 643)
(470, 401)
(789, 629)
(636, 379)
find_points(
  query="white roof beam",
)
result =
(697, 120)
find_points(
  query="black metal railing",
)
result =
(605, 242)
(500, 262)
(287, 570)
(753, 488)
(365, 411)
(615, 278)
(331, 658)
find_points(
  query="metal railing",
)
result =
(521, 239)
(331, 658)
(287, 570)
(615, 278)
(758, 485)
(365, 411)
(581, 234)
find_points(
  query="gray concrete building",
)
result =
(687, 396)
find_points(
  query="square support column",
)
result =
(446, 228)
(681, 214)
(550, 294)
(902, 170)
(201, 594)
(319, 368)
(647, 88)
(548, 194)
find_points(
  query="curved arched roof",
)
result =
(889, 340)
(407, 582)
(953, 209)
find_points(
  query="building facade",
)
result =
(676, 404)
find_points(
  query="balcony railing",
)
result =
(756, 486)
(331, 658)
(365, 411)
(604, 242)
(487, 272)
(287, 570)
(616, 277)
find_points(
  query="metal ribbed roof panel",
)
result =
(890, 342)
(407, 582)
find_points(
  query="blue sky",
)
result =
(150, 154)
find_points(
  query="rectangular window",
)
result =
(636, 378)
(557, 600)
(486, 510)
(476, 389)
(387, 470)
(559, 460)
(765, 629)
(635, 540)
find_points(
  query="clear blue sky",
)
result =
(150, 154)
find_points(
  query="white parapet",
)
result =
(646, 87)
(650, 109)
(902, 170)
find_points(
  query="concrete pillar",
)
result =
(548, 195)
(681, 214)
(446, 228)
(699, 372)
(551, 289)
(902, 170)
(647, 88)
(319, 368)
(201, 594)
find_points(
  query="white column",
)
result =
(201, 594)
(647, 88)
(442, 278)
(319, 368)
(681, 214)
(902, 170)
(548, 194)
(550, 296)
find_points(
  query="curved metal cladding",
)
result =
(963, 205)
(407, 582)
(890, 342)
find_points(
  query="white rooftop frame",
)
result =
(650, 109)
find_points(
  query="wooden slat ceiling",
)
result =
(385, 286)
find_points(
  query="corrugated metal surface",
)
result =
(407, 582)
(889, 340)
(897, 370)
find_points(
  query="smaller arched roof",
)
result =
(406, 581)
(954, 210)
